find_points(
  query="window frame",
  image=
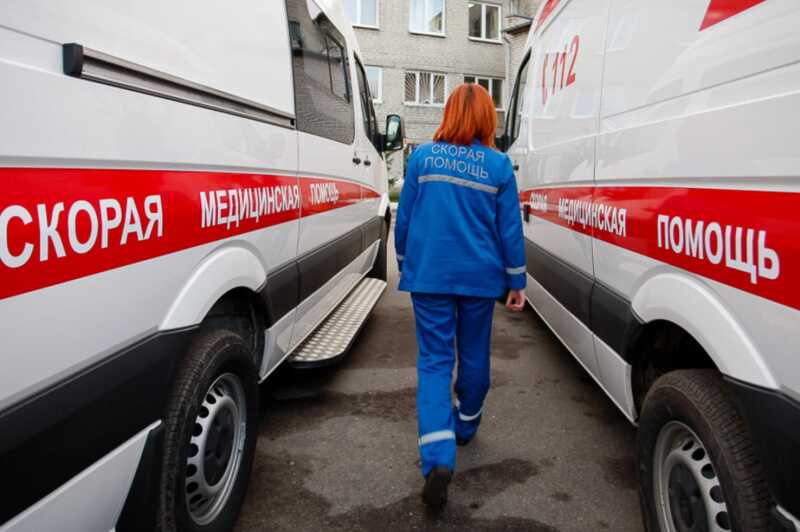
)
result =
(443, 33)
(310, 80)
(369, 111)
(513, 115)
(359, 14)
(345, 65)
(417, 103)
(377, 99)
(475, 78)
(483, 38)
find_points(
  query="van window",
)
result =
(323, 97)
(517, 105)
(367, 109)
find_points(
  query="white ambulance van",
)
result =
(190, 193)
(656, 146)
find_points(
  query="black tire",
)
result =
(724, 457)
(222, 359)
(379, 269)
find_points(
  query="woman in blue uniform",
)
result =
(459, 247)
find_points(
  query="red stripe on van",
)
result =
(719, 10)
(547, 10)
(743, 238)
(368, 193)
(57, 225)
(322, 195)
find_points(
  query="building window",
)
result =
(362, 12)
(375, 80)
(425, 88)
(484, 22)
(493, 85)
(427, 16)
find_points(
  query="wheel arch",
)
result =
(685, 325)
(225, 271)
(696, 309)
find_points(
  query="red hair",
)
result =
(468, 115)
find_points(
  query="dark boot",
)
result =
(434, 494)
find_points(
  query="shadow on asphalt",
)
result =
(337, 446)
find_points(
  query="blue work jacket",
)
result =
(459, 227)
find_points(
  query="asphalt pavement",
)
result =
(337, 448)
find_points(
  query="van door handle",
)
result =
(367, 162)
(356, 160)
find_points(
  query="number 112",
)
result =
(559, 65)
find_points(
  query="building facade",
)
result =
(516, 34)
(417, 51)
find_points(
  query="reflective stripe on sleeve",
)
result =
(516, 271)
(439, 435)
(458, 181)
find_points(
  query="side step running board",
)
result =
(335, 335)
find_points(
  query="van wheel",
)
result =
(698, 470)
(209, 436)
(378, 270)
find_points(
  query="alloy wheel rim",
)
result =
(688, 493)
(216, 447)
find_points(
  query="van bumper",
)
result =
(773, 419)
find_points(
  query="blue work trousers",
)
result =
(447, 324)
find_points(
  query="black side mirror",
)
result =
(393, 140)
(501, 142)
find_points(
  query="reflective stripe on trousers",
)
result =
(441, 322)
(439, 435)
(465, 417)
